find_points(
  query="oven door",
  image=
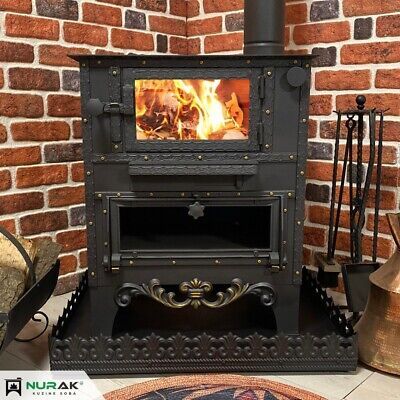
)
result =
(191, 110)
(213, 232)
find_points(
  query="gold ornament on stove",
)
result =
(379, 327)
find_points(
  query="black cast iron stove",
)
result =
(195, 178)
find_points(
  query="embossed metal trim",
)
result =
(196, 291)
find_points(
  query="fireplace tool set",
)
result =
(195, 189)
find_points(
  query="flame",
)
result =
(186, 110)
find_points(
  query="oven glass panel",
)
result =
(192, 109)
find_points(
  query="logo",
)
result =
(14, 385)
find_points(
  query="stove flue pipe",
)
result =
(264, 27)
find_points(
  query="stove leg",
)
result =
(286, 308)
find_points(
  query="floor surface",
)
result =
(364, 384)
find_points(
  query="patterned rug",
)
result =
(211, 387)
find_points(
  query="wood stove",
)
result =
(195, 184)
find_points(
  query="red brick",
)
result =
(226, 42)
(83, 262)
(171, 26)
(126, 39)
(14, 203)
(21, 105)
(383, 225)
(75, 32)
(152, 5)
(105, 52)
(320, 215)
(368, 7)
(193, 46)
(5, 179)
(389, 153)
(77, 129)
(388, 78)
(388, 25)
(43, 222)
(314, 236)
(204, 26)
(3, 133)
(178, 7)
(20, 6)
(72, 240)
(312, 128)
(321, 171)
(99, 14)
(178, 45)
(389, 176)
(391, 131)
(343, 80)
(58, 55)
(67, 195)
(308, 256)
(296, 13)
(320, 105)
(125, 3)
(33, 79)
(20, 156)
(192, 8)
(63, 105)
(383, 101)
(16, 52)
(68, 264)
(77, 172)
(39, 28)
(385, 246)
(327, 129)
(40, 131)
(327, 32)
(1, 78)
(8, 224)
(41, 175)
(213, 6)
(375, 53)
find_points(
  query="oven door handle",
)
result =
(204, 169)
(96, 107)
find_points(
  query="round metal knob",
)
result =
(360, 100)
(296, 76)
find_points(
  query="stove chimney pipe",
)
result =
(264, 27)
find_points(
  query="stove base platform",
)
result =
(326, 341)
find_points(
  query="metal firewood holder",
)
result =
(28, 306)
(329, 267)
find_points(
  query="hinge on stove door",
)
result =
(260, 134)
(261, 87)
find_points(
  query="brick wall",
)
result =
(41, 174)
(358, 49)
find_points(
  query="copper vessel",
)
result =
(379, 327)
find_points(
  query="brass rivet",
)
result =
(130, 262)
(289, 194)
(238, 193)
(92, 274)
(291, 156)
(304, 120)
(182, 194)
(85, 120)
(99, 195)
(105, 244)
(201, 62)
(151, 194)
(301, 173)
(269, 73)
(285, 210)
(248, 61)
(83, 65)
(283, 267)
(271, 193)
(246, 157)
(268, 112)
(297, 273)
(216, 261)
(267, 146)
(104, 211)
(307, 65)
(116, 146)
(118, 194)
(102, 158)
(88, 173)
(284, 242)
(144, 62)
(90, 223)
(200, 157)
(114, 72)
(99, 62)
(298, 222)
(146, 158)
(295, 62)
(208, 194)
(259, 261)
(173, 262)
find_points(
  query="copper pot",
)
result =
(379, 327)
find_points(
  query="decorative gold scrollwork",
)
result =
(196, 293)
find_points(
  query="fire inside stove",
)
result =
(194, 109)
